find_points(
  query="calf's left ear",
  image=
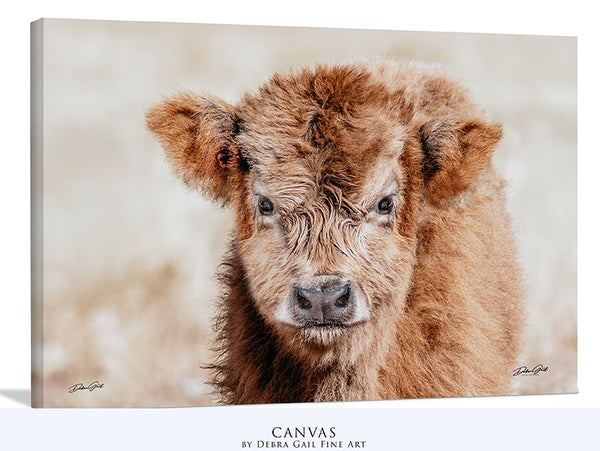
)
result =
(456, 152)
(197, 133)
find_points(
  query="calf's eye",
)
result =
(385, 205)
(265, 206)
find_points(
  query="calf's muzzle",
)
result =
(323, 301)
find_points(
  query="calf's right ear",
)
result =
(197, 134)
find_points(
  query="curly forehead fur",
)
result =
(327, 118)
(372, 256)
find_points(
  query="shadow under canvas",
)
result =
(20, 396)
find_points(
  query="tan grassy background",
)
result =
(129, 254)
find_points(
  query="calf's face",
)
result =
(319, 226)
(326, 172)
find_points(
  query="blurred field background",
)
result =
(129, 254)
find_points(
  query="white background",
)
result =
(210, 426)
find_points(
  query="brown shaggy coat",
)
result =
(371, 181)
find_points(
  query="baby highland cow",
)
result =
(373, 256)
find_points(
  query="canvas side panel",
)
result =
(37, 223)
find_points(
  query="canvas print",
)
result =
(250, 215)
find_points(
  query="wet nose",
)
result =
(324, 303)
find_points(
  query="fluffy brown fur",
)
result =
(374, 176)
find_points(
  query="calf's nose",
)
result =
(324, 303)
